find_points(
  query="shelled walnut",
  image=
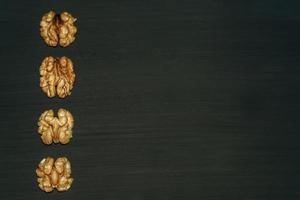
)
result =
(54, 174)
(57, 76)
(58, 28)
(56, 129)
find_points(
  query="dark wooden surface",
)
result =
(173, 99)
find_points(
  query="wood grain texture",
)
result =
(173, 99)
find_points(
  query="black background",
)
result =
(173, 99)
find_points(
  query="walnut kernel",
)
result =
(56, 129)
(57, 76)
(54, 174)
(58, 28)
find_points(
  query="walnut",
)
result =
(56, 129)
(54, 174)
(58, 28)
(57, 76)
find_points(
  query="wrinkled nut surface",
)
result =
(54, 174)
(57, 76)
(56, 129)
(58, 28)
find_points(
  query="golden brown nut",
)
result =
(54, 174)
(56, 129)
(57, 76)
(58, 28)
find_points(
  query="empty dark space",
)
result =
(172, 100)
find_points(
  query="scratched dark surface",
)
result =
(173, 100)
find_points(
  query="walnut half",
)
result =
(54, 174)
(56, 129)
(57, 76)
(58, 28)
